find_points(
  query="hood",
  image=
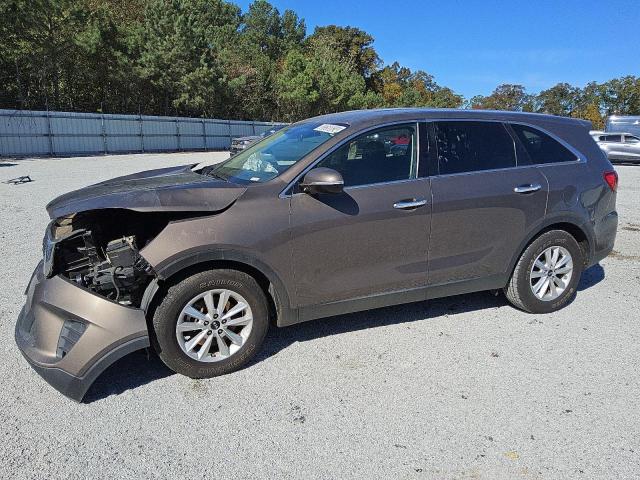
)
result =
(171, 189)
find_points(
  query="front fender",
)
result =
(201, 255)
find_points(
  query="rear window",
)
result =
(541, 147)
(472, 146)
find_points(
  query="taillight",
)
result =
(612, 179)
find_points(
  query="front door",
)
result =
(483, 205)
(371, 239)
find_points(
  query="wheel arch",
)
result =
(175, 269)
(574, 225)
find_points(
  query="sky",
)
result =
(472, 46)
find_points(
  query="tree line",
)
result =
(207, 58)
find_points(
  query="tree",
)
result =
(272, 33)
(505, 97)
(561, 99)
(38, 53)
(400, 87)
(180, 42)
(592, 113)
(252, 58)
(350, 44)
(318, 82)
(621, 96)
(195, 57)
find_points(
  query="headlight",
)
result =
(58, 230)
(48, 249)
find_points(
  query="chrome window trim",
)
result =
(580, 158)
(415, 122)
(390, 182)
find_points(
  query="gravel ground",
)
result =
(464, 387)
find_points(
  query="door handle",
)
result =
(409, 204)
(532, 187)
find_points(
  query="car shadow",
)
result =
(144, 366)
(131, 371)
(280, 338)
(590, 277)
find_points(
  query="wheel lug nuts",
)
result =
(206, 323)
(224, 321)
(220, 331)
(215, 315)
(209, 332)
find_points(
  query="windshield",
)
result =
(272, 156)
(272, 131)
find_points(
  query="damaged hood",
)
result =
(171, 189)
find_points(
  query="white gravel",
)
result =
(465, 387)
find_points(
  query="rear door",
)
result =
(484, 204)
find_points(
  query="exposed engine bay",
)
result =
(116, 271)
(100, 251)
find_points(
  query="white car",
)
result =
(619, 146)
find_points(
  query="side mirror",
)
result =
(322, 180)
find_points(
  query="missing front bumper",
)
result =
(109, 332)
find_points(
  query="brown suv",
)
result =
(334, 214)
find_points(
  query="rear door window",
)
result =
(463, 146)
(541, 147)
(630, 139)
(611, 138)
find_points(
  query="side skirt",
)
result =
(420, 294)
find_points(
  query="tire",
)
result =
(524, 279)
(171, 310)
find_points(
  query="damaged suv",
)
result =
(334, 214)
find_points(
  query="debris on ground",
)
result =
(19, 180)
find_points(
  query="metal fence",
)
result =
(34, 133)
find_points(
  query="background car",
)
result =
(240, 143)
(620, 147)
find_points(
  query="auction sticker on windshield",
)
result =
(330, 128)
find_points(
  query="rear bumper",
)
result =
(605, 237)
(70, 336)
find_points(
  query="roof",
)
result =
(631, 118)
(365, 117)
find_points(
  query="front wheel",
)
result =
(546, 276)
(211, 323)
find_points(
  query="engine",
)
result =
(116, 270)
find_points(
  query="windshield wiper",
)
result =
(211, 172)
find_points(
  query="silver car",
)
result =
(620, 147)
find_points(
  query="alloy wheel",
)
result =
(551, 273)
(214, 325)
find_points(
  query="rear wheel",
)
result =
(546, 276)
(211, 323)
